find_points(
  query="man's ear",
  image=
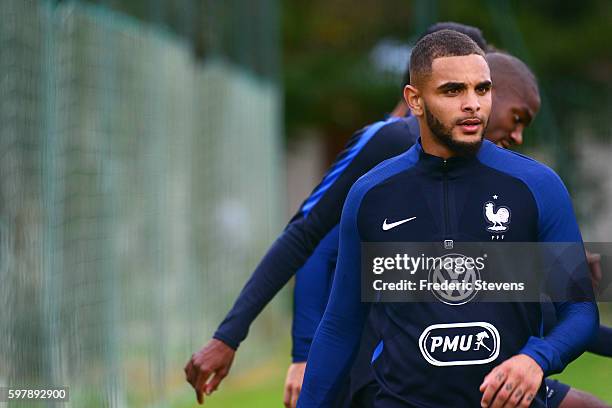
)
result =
(413, 98)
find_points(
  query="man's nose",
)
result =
(517, 135)
(471, 102)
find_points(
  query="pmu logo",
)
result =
(460, 344)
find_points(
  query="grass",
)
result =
(263, 387)
(590, 373)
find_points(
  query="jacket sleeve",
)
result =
(577, 321)
(602, 344)
(317, 216)
(337, 338)
(312, 287)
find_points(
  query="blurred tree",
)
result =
(245, 32)
(328, 74)
(329, 79)
(331, 83)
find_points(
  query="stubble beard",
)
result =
(444, 136)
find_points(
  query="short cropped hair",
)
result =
(510, 72)
(473, 32)
(444, 43)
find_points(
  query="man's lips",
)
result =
(470, 125)
(471, 121)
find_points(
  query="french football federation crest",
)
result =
(497, 217)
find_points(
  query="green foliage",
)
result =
(330, 82)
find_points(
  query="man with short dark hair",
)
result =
(473, 32)
(516, 101)
(313, 281)
(450, 95)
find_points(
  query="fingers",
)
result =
(293, 384)
(188, 368)
(202, 380)
(295, 395)
(204, 384)
(504, 393)
(200, 373)
(516, 397)
(291, 395)
(514, 383)
(287, 395)
(214, 359)
(490, 386)
(216, 380)
(199, 377)
(192, 375)
(528, 398)
(520, 398)
(191, 372)
(530, 393)
(513, 391)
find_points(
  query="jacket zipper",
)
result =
(445, 190)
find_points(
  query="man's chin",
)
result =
(467, 144)
(468, 138)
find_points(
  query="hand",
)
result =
(513, 383)
(594, 261)
(293, 384)
(215, 359)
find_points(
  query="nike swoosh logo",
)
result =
(387, 227)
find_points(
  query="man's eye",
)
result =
(516, 118)
(453, 91)
(482, 90)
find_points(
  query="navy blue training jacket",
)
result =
(447, 199)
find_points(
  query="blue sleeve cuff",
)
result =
(543, 354)
(221, 337)
(301, 347)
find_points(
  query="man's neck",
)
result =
(431, 145)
